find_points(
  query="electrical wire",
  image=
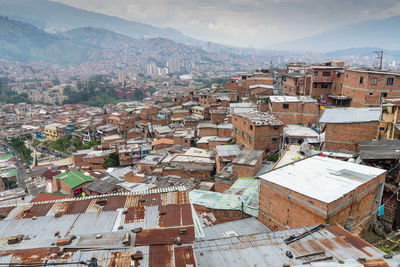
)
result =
(153, 253)
(372, 213)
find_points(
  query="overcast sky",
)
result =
(244, 22)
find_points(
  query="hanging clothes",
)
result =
(381, 210)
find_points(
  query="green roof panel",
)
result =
(74, 179)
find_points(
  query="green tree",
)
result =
(111, 161)
(19, 147)
(139, 94)
(152, 89)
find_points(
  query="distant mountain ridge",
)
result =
(56, 17)
(20, 41)
(373, 33)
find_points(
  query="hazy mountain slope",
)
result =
(23, 42)
(55, 17)
(374, 33)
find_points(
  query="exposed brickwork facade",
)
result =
(347, 136)
(254, 136)
(366, 88)
(282, 208)
(295, 112)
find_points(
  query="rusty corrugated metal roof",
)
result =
(184, 255)
(164, 236)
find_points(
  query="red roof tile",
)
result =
(48, 196)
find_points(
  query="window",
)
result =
(324, 85)
(316, 73)
(235, 119)
(127, 154)
(315, 85)
(251, 127)
(389, 81)
(326, 73)
(250, 140)
(244, 123)
(185, 141)
(285, 106)
(374, 81)
(274, 140)
(276, 127)
(236, 130)
(347, 76)
(361, 80)
(242, 134)
(371, 94)
(383, 95)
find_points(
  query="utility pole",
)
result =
(380, 57)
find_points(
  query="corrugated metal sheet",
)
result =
(172, 216)
(161, 255)
(94, 207)
(41, 227)
(184, 255)
(151, 200)
(169, 198)
(34, 255)
(84, 218)
(270, 249)
(114, 203)
(131, 201)
(5, 259)
(164, 236)
(94, 223)
(6, 210)
(38, 210)
(187, 215)
(246, 226)
(19, 212)
(119, 259)
(77, 207)
(350, 115)
(151, 217)
(110, 240)
(135, 214)
(58, 207)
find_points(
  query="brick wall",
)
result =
(282, 208)
(366, 94)
(251, 136)
(347, 136)
(207, 132)
(221, 188)
(217, 117)
(239, 170)
(203, 175)
(296, 112)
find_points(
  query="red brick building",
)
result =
(367, 88)
(241, 84)
(257, 131)
(302, 110)
(247, 163)
(345, 128)
(319, 190)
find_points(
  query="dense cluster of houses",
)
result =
(279, 168)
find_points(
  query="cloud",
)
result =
(244, 22)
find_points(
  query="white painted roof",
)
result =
(294, 130)
(322, 178)
(350, 115)
(287, 98)
(261, 86)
